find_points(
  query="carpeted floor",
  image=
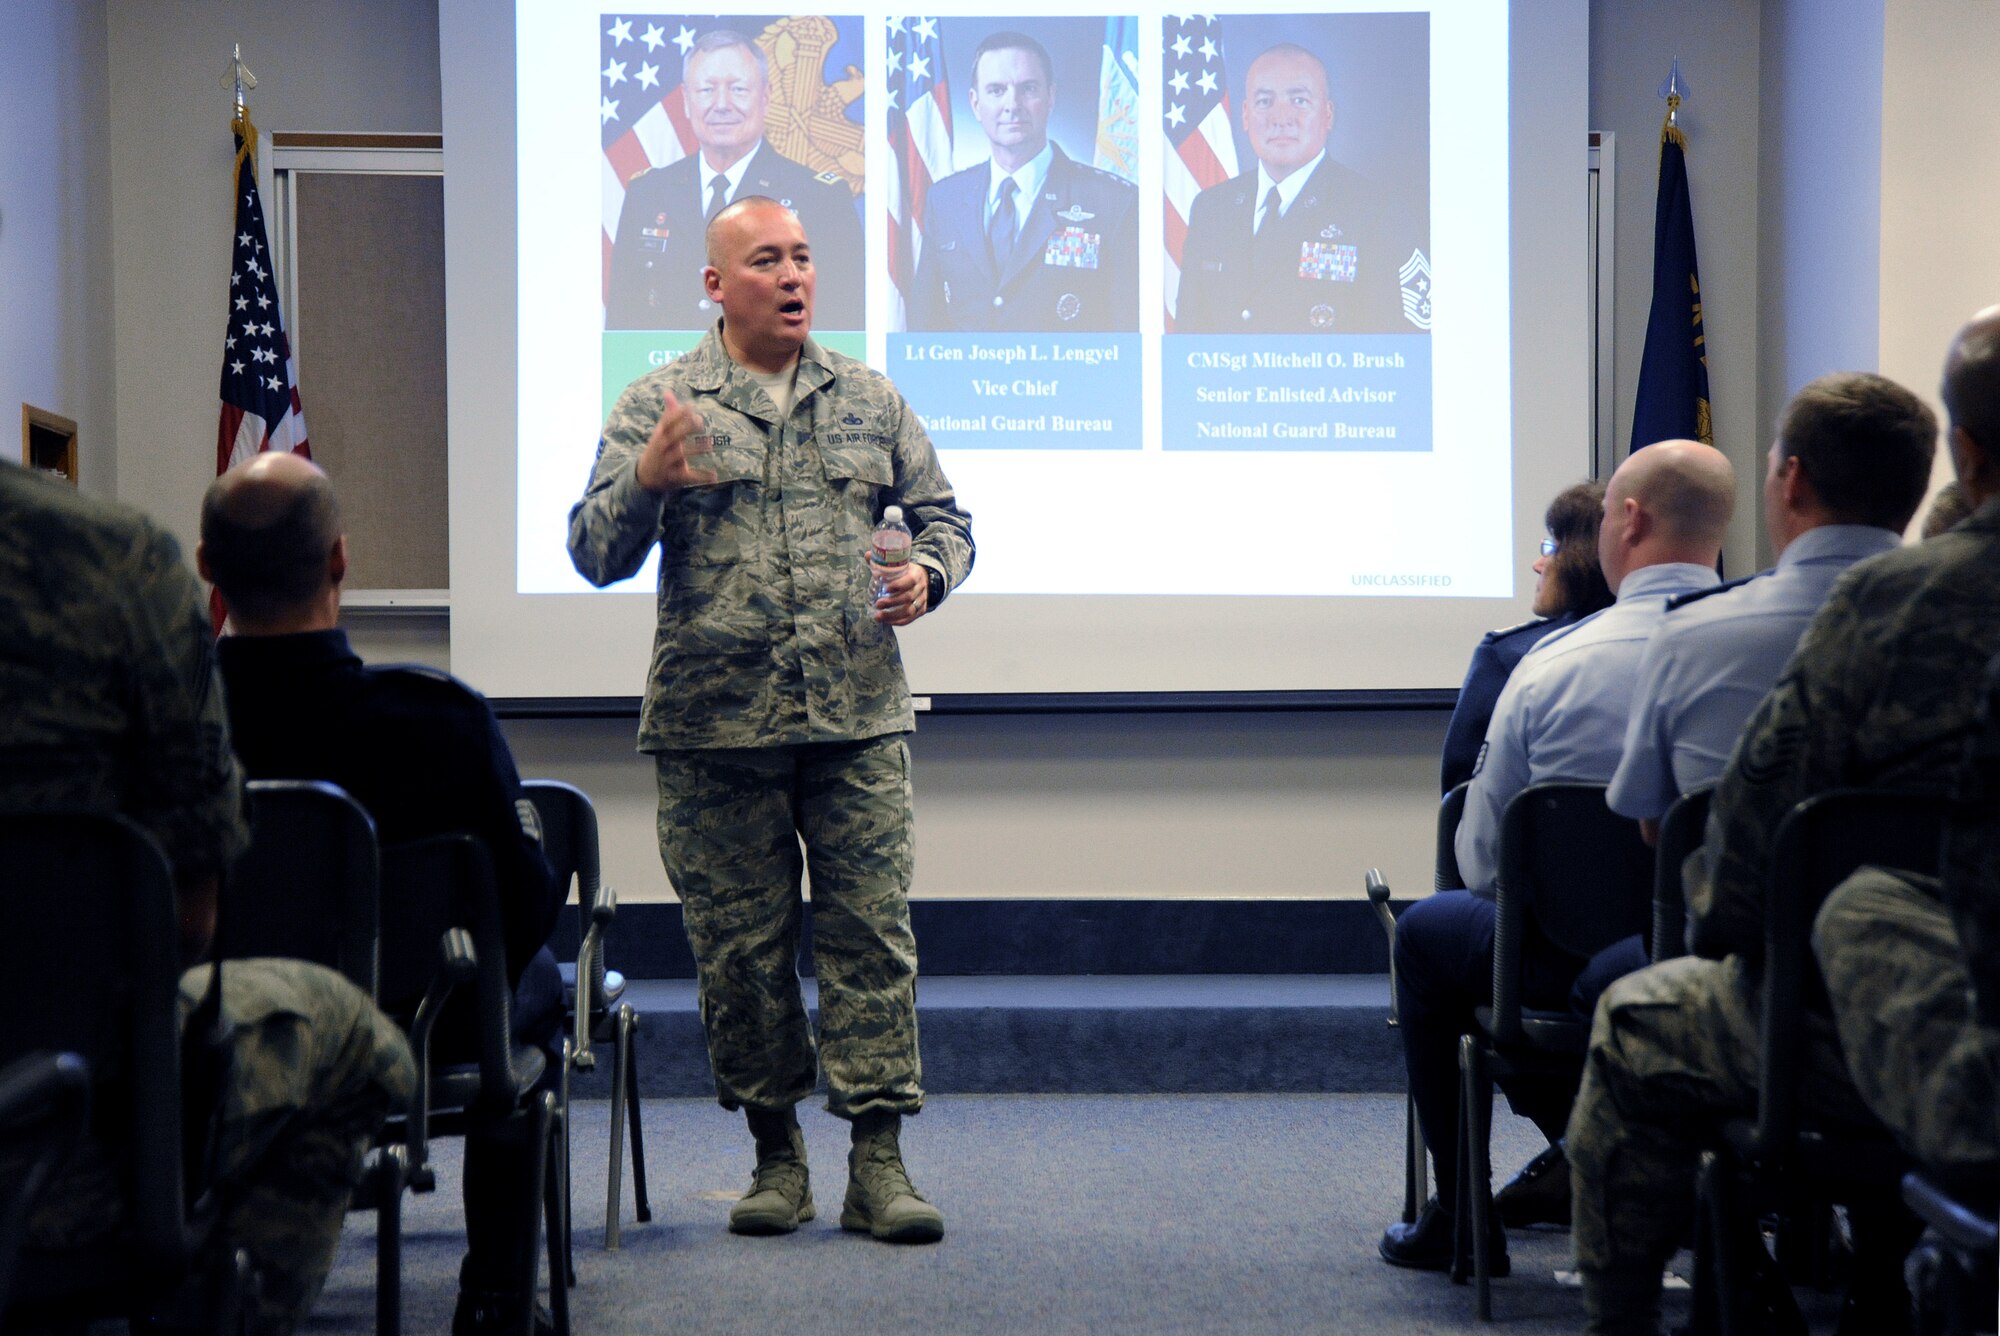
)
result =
(1064, 1213)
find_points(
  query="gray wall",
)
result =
(1790, 134)
(55, 229)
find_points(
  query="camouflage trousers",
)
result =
(1673, 1051)
(314, 1068)
(731, 825)
(1903, 1002)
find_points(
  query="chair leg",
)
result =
(388, 1175)
(612, 1184)
(563, 1104)
(1413, 1162)
(628, 1040)
(1461, 1206)
(555, 1212)
(1476, 1186)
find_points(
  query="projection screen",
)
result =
(1202, 455)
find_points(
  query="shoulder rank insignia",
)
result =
(1697, 595)
(831, 179)
(1076, 213)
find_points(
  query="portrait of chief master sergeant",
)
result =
(1030, 239)
(1298, 246)
(657, 259)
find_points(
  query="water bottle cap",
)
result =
(892, 515)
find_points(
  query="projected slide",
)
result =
(1158, 285)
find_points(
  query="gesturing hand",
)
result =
(673, 451)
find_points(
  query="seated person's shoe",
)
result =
(1539, 1194)
(483, 1314)
(1426, 1245)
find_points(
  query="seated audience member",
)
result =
(1895, 946)
(1569, 585)
(1847, 471)
(1561, 716)
(113, 705)
(415, 747)
(1948, 507)
(1884, 687)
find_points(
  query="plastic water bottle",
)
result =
(889, 548)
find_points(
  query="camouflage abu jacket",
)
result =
(764, 636)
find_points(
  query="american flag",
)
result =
(643, 119)
(260, 381)
(920, 141)
(1201, 143)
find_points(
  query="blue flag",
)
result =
(1672, 400)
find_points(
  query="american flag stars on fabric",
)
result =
(1201, 142)
(260, 399)
(642, 120)
(920, 144)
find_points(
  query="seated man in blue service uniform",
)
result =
(419, 750)
(113, 705)
(657, 260)
(1300, 245)
(1561, 716)
(776, 706)
(1031, 239)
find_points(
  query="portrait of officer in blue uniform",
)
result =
(1300, 244)
(658, 256)
(1030, 239)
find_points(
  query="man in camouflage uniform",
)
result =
(1881, 693)
(112, 703)
(776, 705)
(1894, 946)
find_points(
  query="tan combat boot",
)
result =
(780, 1195)
(880, 1199)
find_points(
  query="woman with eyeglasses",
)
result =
(1569, 585)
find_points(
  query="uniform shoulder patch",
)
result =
(1517, 628)
(1697, 595)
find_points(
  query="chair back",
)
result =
(429, 886)
(309, 885)
(1445, 876)
(1574, 874)
(44, 1105)
(92, 969)
(1820, 843)
(569, 841)
(1681, 832)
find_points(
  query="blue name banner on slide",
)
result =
(1268, 392)
(1022, 391)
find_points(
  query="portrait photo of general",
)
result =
(699, 111)
(1297, 174)
(1016, 144)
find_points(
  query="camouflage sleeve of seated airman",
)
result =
(1796, 745)
(187, 789)
(942, 528)
(617, 522)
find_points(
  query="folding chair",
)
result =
(91, 898)
(594, 994)
(1681, 833)
(1444, 877)
(1574, 878)
(1785, 1156)
(432, 886)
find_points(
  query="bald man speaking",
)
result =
(1561, 717)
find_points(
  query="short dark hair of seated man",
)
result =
(1569, 585)
(416, 747)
